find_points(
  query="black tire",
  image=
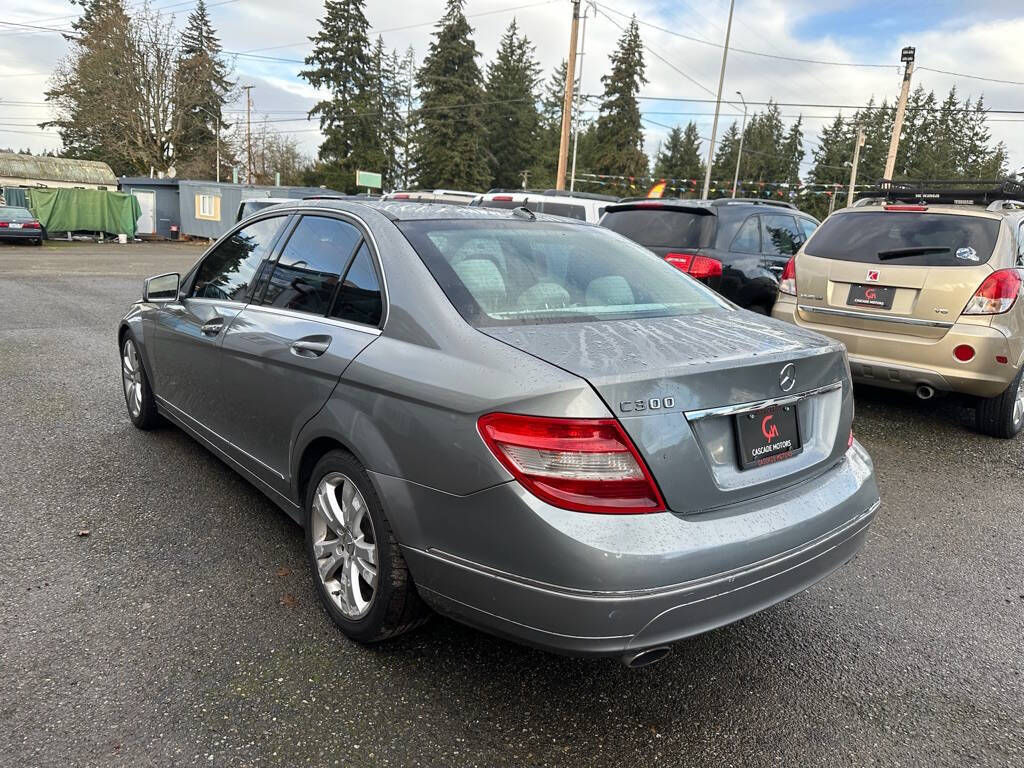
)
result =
(395, 606)
(37, 242)
(142, 413)
(995, 415)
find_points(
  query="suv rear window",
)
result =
(512, 273)
(662, 227)
(914, 239)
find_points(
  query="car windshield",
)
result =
(910, 238)
(14, 213)
(520, 272)
(662, 227)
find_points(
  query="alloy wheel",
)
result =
(131, 376)
(344, 545)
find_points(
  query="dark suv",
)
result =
(737, 246)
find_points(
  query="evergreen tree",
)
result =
(680, 158)
(793, 152)
(204, 88)
(723, 167)
(405, 83)
(544, 169)
(449, 135)
(511, 120)
(388, 98)
(341, 64)
(618, 134)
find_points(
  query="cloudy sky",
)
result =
(978, 38)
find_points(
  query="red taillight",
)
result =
(963, 352)
(996, 295)
(4, 225)
(502, 198)
(400, 196)
(695, 265)
(906, 207)
(32, 224)
(787, 280)
(586, 465)
(1002, 359)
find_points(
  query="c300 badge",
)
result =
(652, 404)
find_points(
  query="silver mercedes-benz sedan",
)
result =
(529, 424)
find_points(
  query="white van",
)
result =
(574, 205)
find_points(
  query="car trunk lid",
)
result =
(678, 385)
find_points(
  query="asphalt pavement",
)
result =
(157, 611)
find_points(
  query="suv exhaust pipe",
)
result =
(646, 658)
(925, 392)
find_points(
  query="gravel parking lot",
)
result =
(183, 628)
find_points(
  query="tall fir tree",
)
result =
(723, 167)
(680, 159)
(618, 133)
(511, 121)
(449, 137)
(341, 64)
(389, 95)
(549, 129)
(793, 151)
(204, 87)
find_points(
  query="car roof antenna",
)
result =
(524, 213)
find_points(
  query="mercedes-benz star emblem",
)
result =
(787, 377)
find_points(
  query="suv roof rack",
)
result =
(752, 201)
(553, 193)
(997, 194)
(715, 202)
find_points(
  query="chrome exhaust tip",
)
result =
(925, 392)
(646, 657)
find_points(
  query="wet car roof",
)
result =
(398, 210)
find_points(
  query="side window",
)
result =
(1020, 244)
(807, 226)
(568, 210)
(779, 235)
(748, 239)
(310, 266)
(229, 270)
(359, 299)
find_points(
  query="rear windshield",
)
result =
(662, 228)
(519, 272)
(568, 210)
(12, 213)
(914, 239)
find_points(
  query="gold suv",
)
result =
(922, 286)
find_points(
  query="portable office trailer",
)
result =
(209, 209)
(158, 199)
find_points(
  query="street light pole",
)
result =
(718, 103)
(907, 57)
(858, 143)
(739, 155)
(217, 118)
(579, 93)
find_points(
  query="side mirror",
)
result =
(161, 288)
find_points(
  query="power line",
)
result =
(972, 77)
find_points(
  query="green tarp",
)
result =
(85, 210)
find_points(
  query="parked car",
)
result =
(922, 287)
(448, 196)
(19, 224)
(530, 424)
(573, 205)
(739, 246)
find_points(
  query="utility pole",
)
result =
(248, 132)
(853, 168)
(579, 93)
(718, 103)
(907, 57)
(739, 155)
(570, 82)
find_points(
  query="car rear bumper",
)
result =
(670, 577)
(20, 234)
(901, 361)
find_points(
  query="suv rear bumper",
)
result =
(900, 361)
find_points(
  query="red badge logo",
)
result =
(872, 275)
(770, 431)
(870, 294)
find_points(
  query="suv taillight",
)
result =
(996, 294)
(695, 265)
(787, 280)
(586, 465)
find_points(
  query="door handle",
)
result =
(212, 328)
(313, 346)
